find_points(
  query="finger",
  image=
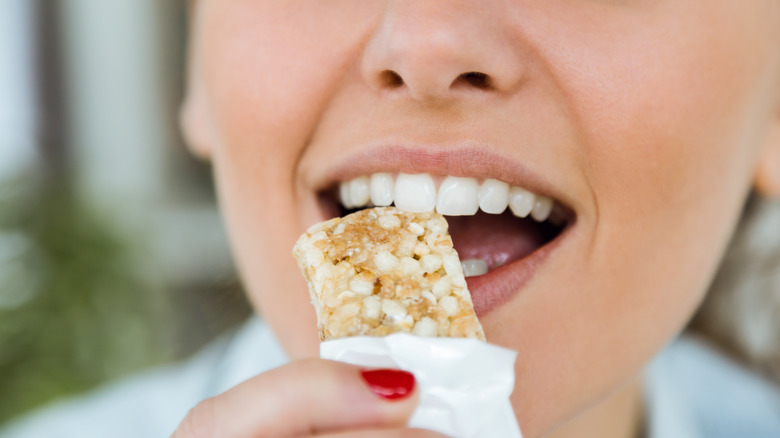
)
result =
(305, 398)
(386, 433)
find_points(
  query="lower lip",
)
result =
(497, 287)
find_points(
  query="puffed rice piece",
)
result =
(382, 270)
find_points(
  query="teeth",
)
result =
(474, 267)
(521, 201)
(458, 197)
(346, 199)
(415, 193)
(455, 196)
(358, 191)
(382, 189)
(493, 196)
(354, 193)
(542, 208)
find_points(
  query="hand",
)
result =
(310, 398)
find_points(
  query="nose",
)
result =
(435, 49)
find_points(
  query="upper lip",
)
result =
(476, 161)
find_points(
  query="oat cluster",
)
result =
(382, 270)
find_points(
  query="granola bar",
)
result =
(382, 270)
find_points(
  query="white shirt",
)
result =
(692, 392)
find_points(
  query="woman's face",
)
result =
(644, 121)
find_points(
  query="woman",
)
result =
(647, 123)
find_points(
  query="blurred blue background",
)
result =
(112, 254)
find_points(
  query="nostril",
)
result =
(390, 79)
(475, 79)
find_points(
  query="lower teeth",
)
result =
(474, 267)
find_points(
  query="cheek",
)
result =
(669, 138)
(268, 75)
(672, 131)
(273, 66)
(270, 69)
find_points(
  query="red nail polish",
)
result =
(389, 384)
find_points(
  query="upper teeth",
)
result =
(455, 196)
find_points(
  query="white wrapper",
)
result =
(464, 383)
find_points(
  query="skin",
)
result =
(652, 120)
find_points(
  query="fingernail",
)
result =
(389, 384)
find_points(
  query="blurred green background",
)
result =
(112, 255)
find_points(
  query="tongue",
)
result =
(497, 239)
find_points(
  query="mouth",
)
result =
(502, 232)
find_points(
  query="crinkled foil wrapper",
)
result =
(464, 384)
